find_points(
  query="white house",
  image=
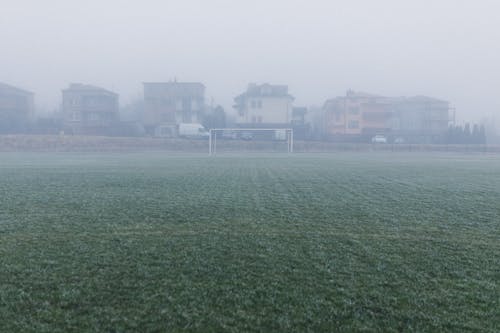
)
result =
(168, 104)
(263, 106)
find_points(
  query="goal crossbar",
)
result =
(212, 139)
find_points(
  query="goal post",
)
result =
(217, 134)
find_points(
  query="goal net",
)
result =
(250, 140)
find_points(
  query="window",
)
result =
(354, 110)
(337, 116)
(254, 119)
(267, 90)
(186, 117)
(253, 104)
(259, 104)
(353, 124)
(178, 105)
(186, 104)
(93, 116)
(21, 102)
(165, 131)
(75, 116)
(91, 102)
(375, 116)
(167, 117)
(259, 119)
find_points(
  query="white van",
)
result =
(379, 139)
(280, 135)
(193, 131)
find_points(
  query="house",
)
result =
(421, 119)
(167, 104)
(357, 116)
(264, 106)
(89, 110)
(299, 115)
(16, 109)
(301, 128)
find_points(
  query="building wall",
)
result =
(344, 116)
(335, 118)
(376, 118)
(17, 102)
(90, 111)
(16, 109)
(173, 103)
(416, 119)
(353, 117)
(266, 110)
(421, 119)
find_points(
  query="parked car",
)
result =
(280, 135)
(247, 136)
(229, 135)
(399, 140)
(379, 139)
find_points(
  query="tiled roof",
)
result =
(8, 88)
(88, 87)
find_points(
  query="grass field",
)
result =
(342, 242)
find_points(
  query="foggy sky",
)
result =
(444, 48)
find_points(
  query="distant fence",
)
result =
(309, 146)
(70, 143)
(54, 143)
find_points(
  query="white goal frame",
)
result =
(212, 139)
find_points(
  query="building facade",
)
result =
(168, 104)
(421, 119)
(89, 110)
(359, 116)
(16, 109)
(264, 106)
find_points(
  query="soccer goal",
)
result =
(260, 137)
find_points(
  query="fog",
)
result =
(447, 48)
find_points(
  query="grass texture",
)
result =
(155, 242)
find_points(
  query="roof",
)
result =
(175, 83)
(264, 90)
(174, 89)
(8, 88)
(334, 101)
(79, 87)
(299, 110)
(267, 89)
(425, 99)
(360, 94)
(351, 94)
(338, 102)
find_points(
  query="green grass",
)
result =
(158, 242)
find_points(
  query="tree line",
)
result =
(466, 135)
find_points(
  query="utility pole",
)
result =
(453, 117)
